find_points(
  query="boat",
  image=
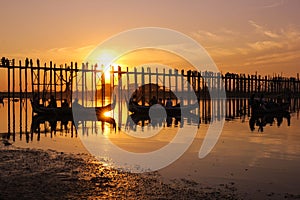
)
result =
(67, 111)
(269, 108)
(173, 111)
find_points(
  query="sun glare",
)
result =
(106, 65)
(107, 114)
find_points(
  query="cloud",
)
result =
(262, 30)
(274, 4)
(264, 45)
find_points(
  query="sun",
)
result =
(106, 65)
(108, 71)
(107, 114)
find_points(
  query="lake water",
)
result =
(256, 163)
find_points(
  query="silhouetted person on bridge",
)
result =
(153, 101)
(1, 101)
(169, 103)
(65, 104)
(52, 103)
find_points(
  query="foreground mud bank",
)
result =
(39, 174)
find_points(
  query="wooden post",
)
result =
(189, 85)
(198, 86)
(51, 77)
(13, 94)
(176, 84)
(143, 86)
(135, 79)
(102, 87)
(8, 93)
(128, 83)
(182, 83)
(85, 84)
(95, 83)
(20, 97)
(156, 75)
(150, 82)
(170, 87)
(82, 84)
(112, 81)
(44, 82)
(164, 84)
(26, 98)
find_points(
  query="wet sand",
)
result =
(38, 174)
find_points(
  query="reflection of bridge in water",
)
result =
(236, 109)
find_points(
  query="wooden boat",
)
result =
(77, 108)
(270, 107)
(173, 111)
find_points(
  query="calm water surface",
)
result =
(255, 162)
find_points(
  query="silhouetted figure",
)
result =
(52, 103)
(65, 104)
(169, 103)
(3, 61)
(153, 101)
(133, 100)
(1, 101)
(160, 101)
(36, 100)
(180, 103)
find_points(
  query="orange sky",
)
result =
(241, 36)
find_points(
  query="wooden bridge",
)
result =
(90, 84)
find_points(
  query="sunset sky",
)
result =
(241, 36)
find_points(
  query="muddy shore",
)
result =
(39, 174)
